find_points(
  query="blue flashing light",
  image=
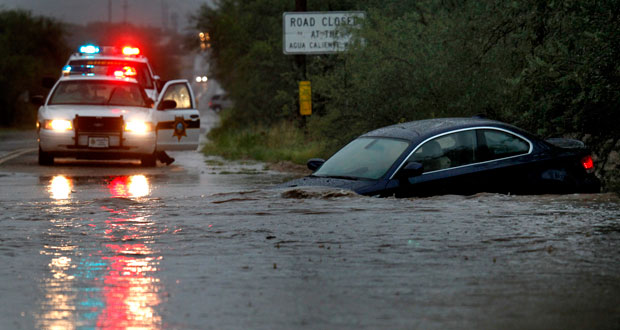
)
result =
(89, 49)
(66, 69)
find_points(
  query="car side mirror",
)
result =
(167, 104)
(411, 170)
(160, 85)
(37, 100)
(48, 82)
(314, 163)
(149, 102)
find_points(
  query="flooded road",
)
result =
(204, 244)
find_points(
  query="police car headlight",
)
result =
(58, 125)
(138, 126)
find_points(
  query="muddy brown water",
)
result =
(207, 245)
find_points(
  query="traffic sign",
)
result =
(318, 32)
(305, 98)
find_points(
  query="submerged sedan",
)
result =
(455, 156)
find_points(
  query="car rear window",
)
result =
(109, 67)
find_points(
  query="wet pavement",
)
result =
(205, 244)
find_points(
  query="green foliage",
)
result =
(549, 66)
(282, 141)
(30, 48)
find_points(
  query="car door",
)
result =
(506, 163)
(177, 128)
(447, 161)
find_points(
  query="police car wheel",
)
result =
(148, 161)
(45, 158)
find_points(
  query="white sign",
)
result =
(318, 32)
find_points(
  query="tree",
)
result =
(31, 48)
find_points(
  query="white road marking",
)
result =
(15, 154)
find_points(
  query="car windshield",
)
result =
(109, 67)
(98, 92)
(363, 158)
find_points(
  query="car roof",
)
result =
(97, 77)
(415, 130)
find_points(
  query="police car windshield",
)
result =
(109, 67)
(99, 92)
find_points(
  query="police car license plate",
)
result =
(98, 142)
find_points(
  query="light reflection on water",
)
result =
(131, 186)
(60, 187)
(107, 279)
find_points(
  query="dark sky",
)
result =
(139, 12)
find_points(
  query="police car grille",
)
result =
(99, 124)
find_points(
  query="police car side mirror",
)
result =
(167, 104)
(149, 102)
(37, 100)
(159, 83)
(48, 82)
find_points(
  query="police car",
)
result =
(91, 60)
(103, 117)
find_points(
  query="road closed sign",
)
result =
(318, 32)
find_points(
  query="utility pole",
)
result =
(301, 5)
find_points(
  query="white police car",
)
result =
(92, 60)
(102, 117)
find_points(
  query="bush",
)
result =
(31, 47)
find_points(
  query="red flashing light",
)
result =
(125, 72)
(587, 163)
(127, 50)
(130, 71)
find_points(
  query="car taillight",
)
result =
(587, 163)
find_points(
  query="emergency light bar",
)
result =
(89, 49)
(131, 50)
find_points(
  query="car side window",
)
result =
(496, 144)
(451, 150)
(180, 94)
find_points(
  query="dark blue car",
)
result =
(455, 156)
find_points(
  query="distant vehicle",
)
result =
(455, 156)
(219, 102)
(103, 117)
(202, 79)
(93, 60)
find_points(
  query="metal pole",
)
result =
(301, 5)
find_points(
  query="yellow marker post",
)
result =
(305, 98)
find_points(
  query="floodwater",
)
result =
(208, 245)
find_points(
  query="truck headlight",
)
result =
(138, 126)
(58, 124)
